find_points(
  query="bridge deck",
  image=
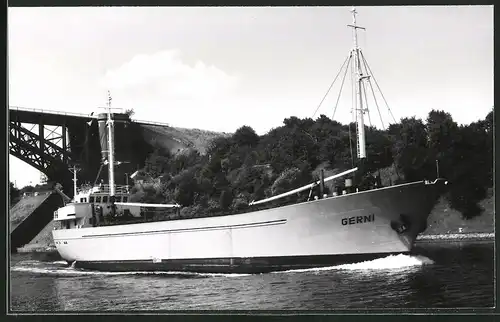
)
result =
(37, 113)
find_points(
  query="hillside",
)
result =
(444, 220)
(175, 139)
(42, 241)
(24, 208)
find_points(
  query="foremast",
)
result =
(358, 107)
(111, 167)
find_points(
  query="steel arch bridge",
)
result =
(51, 142)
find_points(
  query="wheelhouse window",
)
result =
(105, 199)
(98, 199)
(91, 199)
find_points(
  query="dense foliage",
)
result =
(245, 166)
(13, 194)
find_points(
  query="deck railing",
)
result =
(25, 109)
(151, 123)
(104, 188)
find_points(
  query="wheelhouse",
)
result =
(91, 204)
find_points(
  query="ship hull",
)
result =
(233, 265)
(344, 229)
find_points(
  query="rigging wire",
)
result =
(341, 86)
(376, 83)
(388, 108)
(98, 174)
(366, 103)
(374, 97)
(331, 85)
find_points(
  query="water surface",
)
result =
(438, 275)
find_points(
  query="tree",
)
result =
(442, 133)
(130, 112)
(14, 194)
(378, 149)
(147, 193)
(186, 187)
(219, 146)
(290, 179)
(471, 159)
(158, 163)
(226, 199)
(245, 135)
(410, 148)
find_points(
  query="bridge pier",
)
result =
(64, 143)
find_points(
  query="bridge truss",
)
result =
(44, 147)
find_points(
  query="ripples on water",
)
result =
(438, 275)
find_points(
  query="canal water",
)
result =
(438, 275)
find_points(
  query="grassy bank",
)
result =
(175, 138)
(457, 237)
(444, 220)
(24, 207)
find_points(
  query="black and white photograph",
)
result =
(286, 158)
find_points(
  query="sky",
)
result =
(221, 68)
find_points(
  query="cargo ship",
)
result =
(348, 226)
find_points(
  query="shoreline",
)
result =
(37, 249)
(456, 237)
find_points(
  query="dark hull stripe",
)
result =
(238, 226)
(252, 265)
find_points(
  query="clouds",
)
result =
(165, 74)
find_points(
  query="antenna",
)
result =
(109, 100)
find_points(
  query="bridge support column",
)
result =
(64, 143)
(41, 137)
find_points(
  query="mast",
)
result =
(360, 111)
(111, 157)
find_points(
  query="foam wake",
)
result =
(390, 262)
(60, 263)
(61, 268)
